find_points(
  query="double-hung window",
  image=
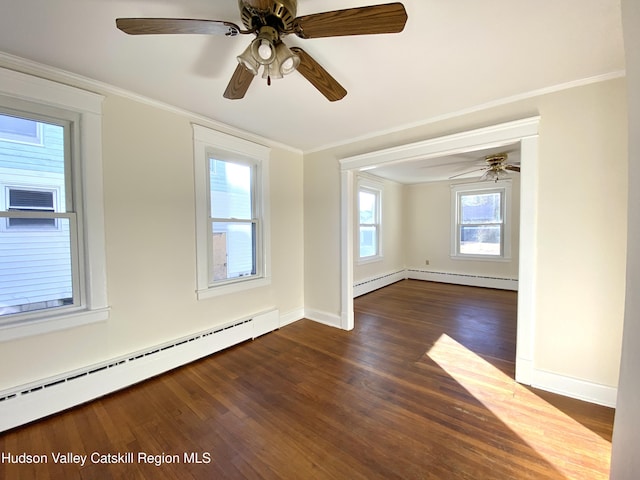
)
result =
(480, 223)
(232, 221)
(52, 271)
(370, 220)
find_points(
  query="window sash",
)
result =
(234, 268)
(17, 306)
(369, 245)
(480, 239)
(33, 221)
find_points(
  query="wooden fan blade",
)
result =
(239, 83)
(512, 167)
(387, 18)
(318, 76)
(155, 26)
(468, 172)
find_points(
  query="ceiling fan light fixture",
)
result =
(272, 71)
(248, 61)
(287, 60)
(263, 47)
(494, 174)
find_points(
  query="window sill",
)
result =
(481, 258)
(372, 259)
(235, 287)
(52, 323)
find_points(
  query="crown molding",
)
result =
(23, 65)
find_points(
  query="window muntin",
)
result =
(480, 221)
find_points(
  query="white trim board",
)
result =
(575, 388)
(30, 67)
(325, 318)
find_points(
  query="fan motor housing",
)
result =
(278, 14)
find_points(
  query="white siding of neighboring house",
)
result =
(35, 264)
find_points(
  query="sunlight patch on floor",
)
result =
(565, 443)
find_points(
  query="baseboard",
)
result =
(463, 279)
(367, 285)
(36, 400)
(575, 388)
(291, 317)
(323, 317)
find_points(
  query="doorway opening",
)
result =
(524, 133)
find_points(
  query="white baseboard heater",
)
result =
(374, 283)
(367, 285)
(30, 402)
(464, 279)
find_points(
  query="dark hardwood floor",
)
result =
(422, 388)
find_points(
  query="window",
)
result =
(52, 273)
(232, 227)
(21, 199)
(369, 214)
(233, 220)
(480, 225)
(16, 129)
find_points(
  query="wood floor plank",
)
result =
(422, 388)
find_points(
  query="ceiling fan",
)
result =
(496, 168)
(270, 21)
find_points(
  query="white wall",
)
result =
(581, 209)
(625, 461)
(150, 248)
(428, 232)
(393, 233)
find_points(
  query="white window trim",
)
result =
(15, 89)
(376, 187)
(457, 189)
(208, 142)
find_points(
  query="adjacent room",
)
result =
(281, 239)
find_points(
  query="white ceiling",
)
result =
(451, 57)
(462, 166)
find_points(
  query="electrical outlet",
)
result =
(426, 262)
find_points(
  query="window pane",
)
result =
(35, 253)
(481, 208)
(230, 190)
(368, 241)
(233, 250)
(367, 205)
(35, 269)
(480, 240)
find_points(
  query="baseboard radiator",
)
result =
(30, 402)
(374, 283)
(464, 279)
(362, 287)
